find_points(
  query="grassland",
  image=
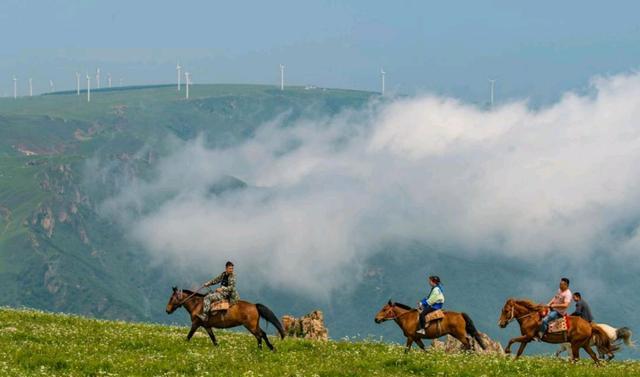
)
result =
(38, 343)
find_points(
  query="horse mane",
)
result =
(403, 306)
(529, 305)
(188, 292)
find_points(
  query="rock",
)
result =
(310, 326)
(452, 345)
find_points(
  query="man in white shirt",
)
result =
(557, 306)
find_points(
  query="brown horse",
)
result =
(241, 314)
(529, 316)
(458, 325)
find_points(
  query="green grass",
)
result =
(38, 343)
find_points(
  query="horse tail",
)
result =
(471, 330)
(625, 333)
(267, 314)
(600, 338)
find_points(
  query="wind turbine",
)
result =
(493, 84)
(109, 79)
(120, 81)
(77, 83)
(15, 87)
(98, 78)
(281, 76)
(30, 87)
(382, 73)
(187, 79)
(179, 69)
(52, 88)
(88, 88)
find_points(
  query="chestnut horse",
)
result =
(242, 313)
(529, 316)
(458, 325)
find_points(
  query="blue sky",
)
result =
(535, 50)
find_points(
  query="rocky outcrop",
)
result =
(310, 326)
(452, 345)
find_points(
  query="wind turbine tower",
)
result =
(30, 87)
(281, 76)
(187, 79)
(77, 83)
(382, 73)
(52, 88)
(493, 84)
(98, 78)
(109, 79)
(179, 69)
(15, 87)
(88, 88)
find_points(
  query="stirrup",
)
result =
(421, 332)
(202, 316)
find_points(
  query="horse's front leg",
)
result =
(523, 345)
(409, 344)
(519, 339)
(194, 327)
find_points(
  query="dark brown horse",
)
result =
(529, 316)
(241, 314)
(458, 325)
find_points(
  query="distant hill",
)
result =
(58, 254)
(36, 343)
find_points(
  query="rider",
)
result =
(557, 306)
(227, 290)
(582, 308)
(431, 303)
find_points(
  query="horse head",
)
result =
(386, 313)
(174, 300)
(508, 313)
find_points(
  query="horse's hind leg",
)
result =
(462, 337)
(420, 344)
(575, 351)
(266, 340)
(591, 353)
(212, 336)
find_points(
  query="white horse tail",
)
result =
(625, 333)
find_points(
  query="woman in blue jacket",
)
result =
(432, 302)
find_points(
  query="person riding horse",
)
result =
(431, 303)
(558, 306)
(226, 291)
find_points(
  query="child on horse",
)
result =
(431, 303)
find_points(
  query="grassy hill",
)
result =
(58, 254)
(37, 343)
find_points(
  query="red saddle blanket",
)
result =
(558, 325)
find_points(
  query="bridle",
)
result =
(513, 315)
(395, 316)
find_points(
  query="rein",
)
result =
(190, 296)
(513, 315)
(397, 316)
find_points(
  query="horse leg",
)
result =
(523, 345)
(519, 339)
(211, 335)
(462, 337)
(420, 344)
(575, 351)
(591, 353)
(562, 348)
(408, 345)
(266, 340)
(194, 327)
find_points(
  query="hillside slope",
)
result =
(36, 343)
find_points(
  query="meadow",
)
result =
(35, 343)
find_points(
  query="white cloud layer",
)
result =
(326, 193)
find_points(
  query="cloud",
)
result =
(323, 194)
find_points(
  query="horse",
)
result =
(240, 314)
(458, 325)
(528, 315)
(616, 337)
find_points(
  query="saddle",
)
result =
(219, 305)
(559, 325)
(433, 316)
